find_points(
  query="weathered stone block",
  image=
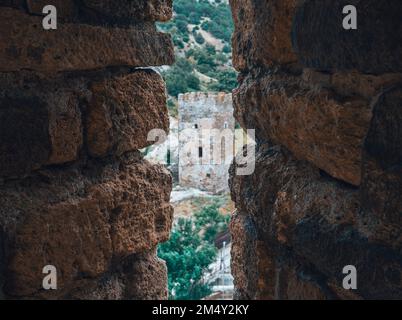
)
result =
(145, 277)
(117, 12)
(26, 45)
(43, 121)
(314, 123)
(262, 34)
(125, 11)
(249, 264)
(79, 221)
(321, 42)
(123, 110)
(38, 129)
(382, 171)
(262, 272)
(304, 215)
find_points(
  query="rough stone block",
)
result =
(321, 42)
(262, 34)
(297, 211)
(128, 11)
(79, 221)
(38, 129)
(123, 110)
(249, 277)
(315, 123)
(117, 12)
(145, 277)
(26, 45)
(42, 122)
(382, 171)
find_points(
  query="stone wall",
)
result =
(326, 192)
(76, 105)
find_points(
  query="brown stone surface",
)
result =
(43, 121)
(382, 171)
(122, 12)
(263, 32)
(326, 109)
(38, 128)
(301, 215)
(123, 110)
(74, 110)
(26, 45)
(314, 123)
(246, 247)
(79, 220)
(125, 11)
(321, 42)
(146, 277)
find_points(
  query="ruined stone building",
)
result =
(204, 160)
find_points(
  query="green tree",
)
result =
(187, 257)
(199, 38)
(211, 221)
(191, 250)
(227, 81)
(180, 78)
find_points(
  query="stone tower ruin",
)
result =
(202, 113)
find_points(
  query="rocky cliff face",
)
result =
(326, 192)
(76, 104)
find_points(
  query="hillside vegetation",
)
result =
(201, 32)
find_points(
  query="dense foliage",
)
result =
(190, 251)
(181, 78)
(208, 69)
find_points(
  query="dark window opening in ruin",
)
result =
(169, 158)
(208, 175)
(200, 151)
(196, 126)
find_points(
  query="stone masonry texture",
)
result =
(326, 104)
(76, 106)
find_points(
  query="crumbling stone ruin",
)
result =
(206, 126)
(76, 105)
(326, 104)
